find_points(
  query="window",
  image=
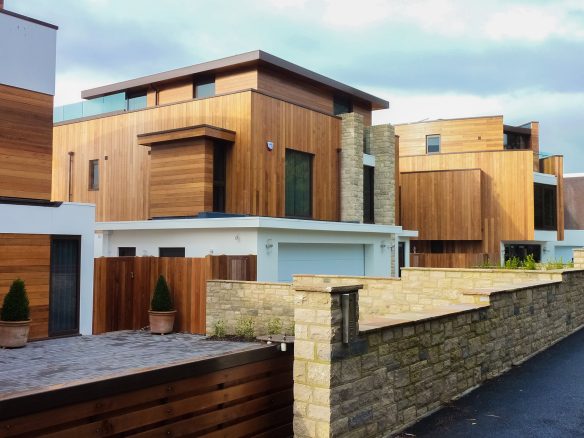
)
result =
(368, 196)
(93, 174)
(432, 144)
(204, 87)
(521, 251)
(298, 184)
(171, 252)
(512, 140)
(544, 197)
(342, 105)
(436, 246)
(219, 177)
(127, 251)
(136, 100)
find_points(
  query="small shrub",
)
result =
(161, 300)
(290, 330)
(15, 306)
(274, 326)
(219, 330)
(512, 263)
(245, 328)
(529, 263)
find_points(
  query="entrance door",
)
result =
(64, 295)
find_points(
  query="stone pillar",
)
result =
(578, 258)
(318, 368)
(383, 148)
(352, 167)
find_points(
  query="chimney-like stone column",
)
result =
(352, 167)
(383, 149)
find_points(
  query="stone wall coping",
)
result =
(400, 319)
(259, 283)
(347, 277)
(527, 271)
(328, 289)
(503, 289)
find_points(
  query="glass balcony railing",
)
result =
(100, 105)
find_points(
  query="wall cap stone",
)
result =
(356, 277)
(260, 283)
(328, 289)
(527, 271)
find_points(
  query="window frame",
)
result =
(93, 180)
(439, 143)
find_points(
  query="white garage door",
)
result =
(313, 258)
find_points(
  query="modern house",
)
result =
(573, 216)
(189, 162)
(478, 191)
(47, 244)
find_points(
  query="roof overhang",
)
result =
(229, 63)
(188, 133)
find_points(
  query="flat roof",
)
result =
(29, 19)
(256, 56)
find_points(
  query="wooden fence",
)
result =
(447, 260)
(238, 395)
(123, 288)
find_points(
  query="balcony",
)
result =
(112, 103)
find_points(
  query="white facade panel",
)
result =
(27, 54)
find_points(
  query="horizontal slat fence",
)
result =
(447, 260)
(251, 399)
(123, 288)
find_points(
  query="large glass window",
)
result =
(171, 252)
(368, 195)
(432, 144)
(341, 105)
(136, 100)
(93, 174)
(219, 177)
(298, 184)
(204, 87)
(545, 209)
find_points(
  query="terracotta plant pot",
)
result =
(14, 334)
(161, 322)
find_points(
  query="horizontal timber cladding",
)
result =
(444, 205)
(289, 126)
(255, 175)
(123, 288)
(26, 122)
(181, 178)
(456, 135)
(506, 191)
(237, 395)
(28, 257)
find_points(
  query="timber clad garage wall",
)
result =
(28, 257)
(330, 259)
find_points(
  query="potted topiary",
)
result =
(14, 317)
(161, 311)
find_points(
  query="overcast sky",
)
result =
(430, 59)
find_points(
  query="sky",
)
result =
(429, 58)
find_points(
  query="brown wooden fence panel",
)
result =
(253, 398)
(123, 288)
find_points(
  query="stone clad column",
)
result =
(352, 167)
(318, 350)
(578, 258)
(384, 189)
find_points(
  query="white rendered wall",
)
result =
(27, 54)
(572, 239)
(68, 219)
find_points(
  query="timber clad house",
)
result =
(47, 244)
(249, 154)
(478, 191)
(573, 216)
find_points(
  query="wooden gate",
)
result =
(123, 288)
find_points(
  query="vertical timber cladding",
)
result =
(28, 257)
(181, 178)
(294, 127)
(506, 191)
(26, 131)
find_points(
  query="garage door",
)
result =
(310, 258)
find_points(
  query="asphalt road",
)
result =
(544, 397)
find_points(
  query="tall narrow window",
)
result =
(432, 144)
(204, 87)
(545, 207)
(368, 195)
(93, 174)
(298, 184)
(341, 105)
(219, 177)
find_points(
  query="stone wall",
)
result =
(578, 258)
(263, 302)
(395, 373)
(382, 139)
(352, 167)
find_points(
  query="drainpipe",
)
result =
(71, 153)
